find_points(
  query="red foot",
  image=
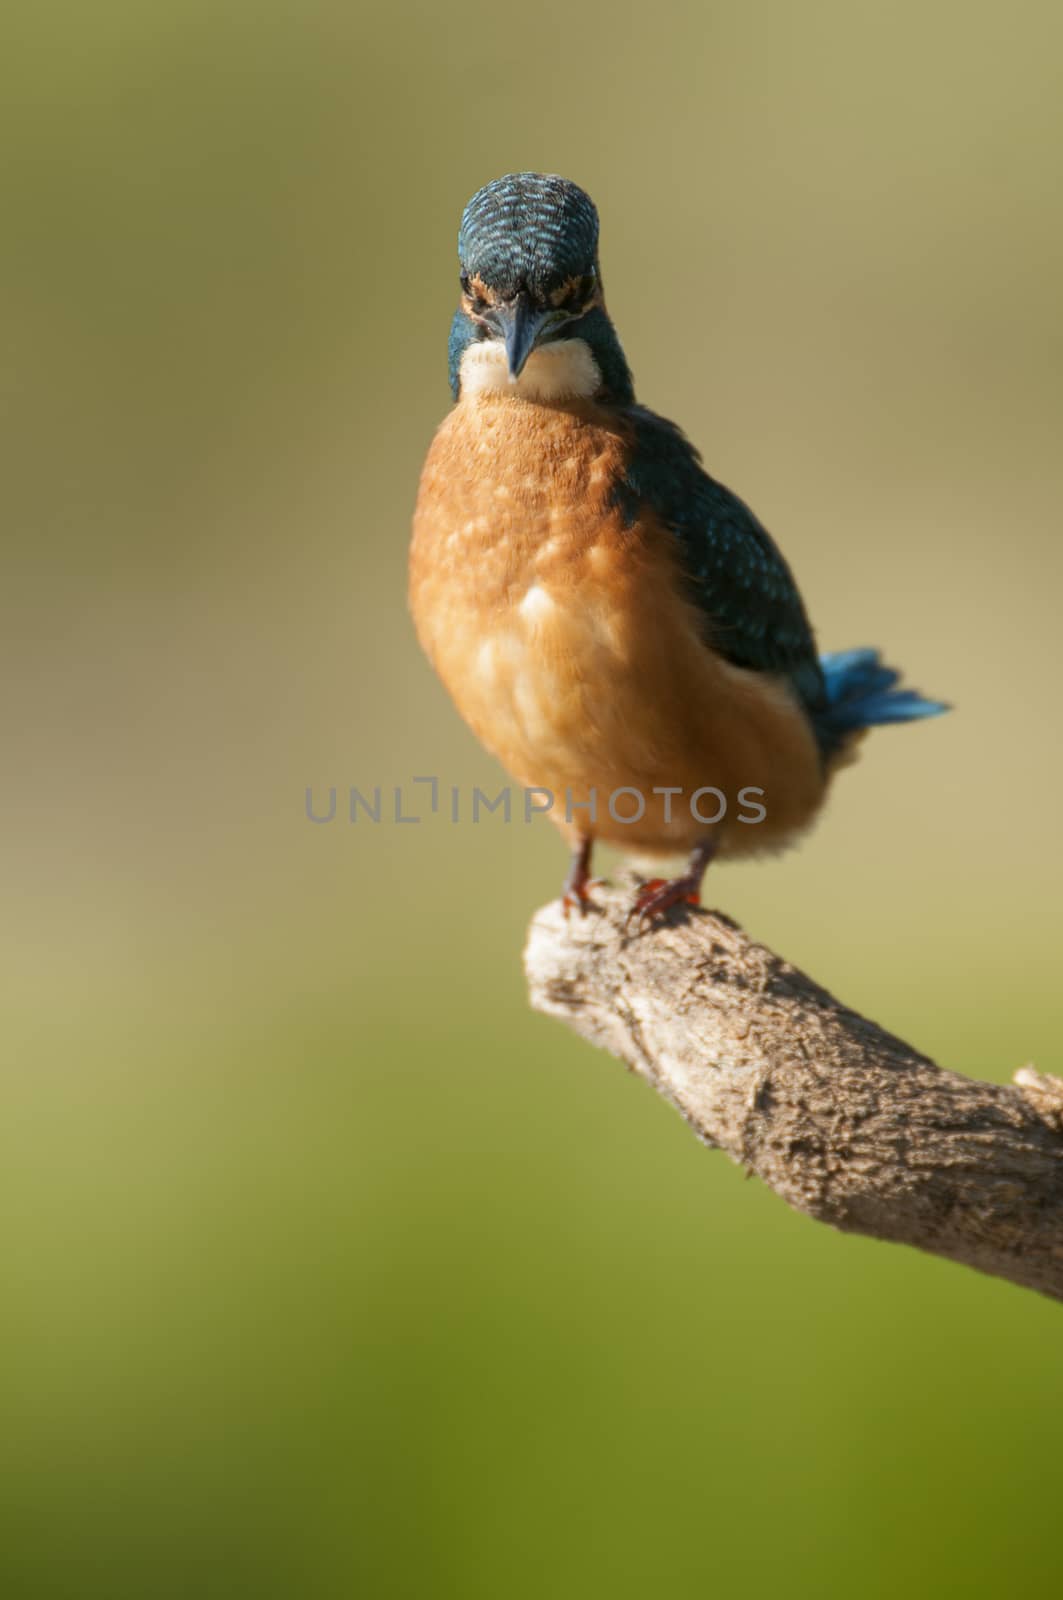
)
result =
(577, 896)
(659, 895)
(579, 882)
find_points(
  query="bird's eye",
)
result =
(477, 303)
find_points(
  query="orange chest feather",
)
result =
(530, 592)
(513, 493)
(562, 631)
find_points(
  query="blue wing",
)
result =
(735, 573)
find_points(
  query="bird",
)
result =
(614, 624)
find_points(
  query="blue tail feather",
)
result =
(862, 693)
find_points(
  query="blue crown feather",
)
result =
(529, 227)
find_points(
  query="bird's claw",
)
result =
(577, 897)
(659, 895)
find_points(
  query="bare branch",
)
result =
(841, 1119)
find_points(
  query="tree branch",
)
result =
(841, 1119)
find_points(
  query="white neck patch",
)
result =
(564, 369)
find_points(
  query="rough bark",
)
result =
(843, 1120)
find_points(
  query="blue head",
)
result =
(528, 255)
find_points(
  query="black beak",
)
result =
(520, 325)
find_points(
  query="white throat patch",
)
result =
(564, 369)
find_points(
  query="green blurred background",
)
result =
(328, 1269)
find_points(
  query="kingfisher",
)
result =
(615, 625)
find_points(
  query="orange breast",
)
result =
(564, 637)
